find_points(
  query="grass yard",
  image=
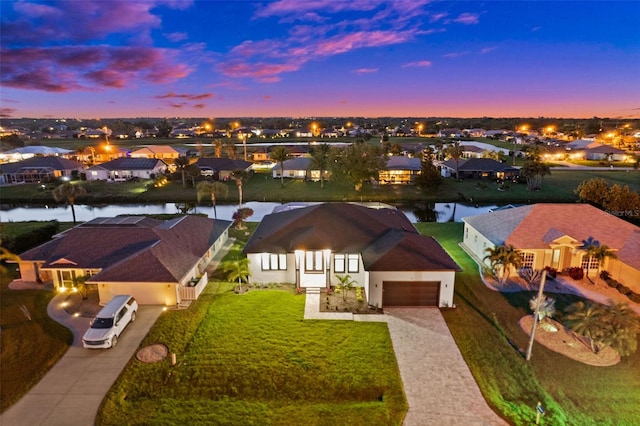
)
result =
(30, 345)
(251, 359)
(482, 325)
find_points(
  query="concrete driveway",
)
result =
(73, 389)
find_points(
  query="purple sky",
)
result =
(175, 58)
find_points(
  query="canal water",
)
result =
(419, 212)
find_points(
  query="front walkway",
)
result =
(437, 382)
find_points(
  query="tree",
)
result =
(429, 176)
(280, 154)
(214, 190)
(240, 216)
(455, 151)
(320, 159)
(181, 163)
(164, 128)
(357, 163)
(192, 171)
(593, 191)
(239, 175)
(502, 259)
(586, 320)
(218, 148)
(546, 309)
(68, 193)
(237, 270)
(622, 201)
(594, 250)
(534, 170)
(622, 326)
(230, 148)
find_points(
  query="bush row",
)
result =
(622, 289)
(18, 243)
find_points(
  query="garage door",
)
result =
(410, 293)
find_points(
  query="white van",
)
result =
(110, 322)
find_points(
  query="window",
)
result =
(274, 262)
(346, 263)
(314, 261)
(589, 262)
(528, 259)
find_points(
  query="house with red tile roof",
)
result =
(552, 235)
(158, 262)
(379, 248)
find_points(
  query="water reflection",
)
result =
(416, 212)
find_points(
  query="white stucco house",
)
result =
(122, 169)
(157, 262)
(378, 247)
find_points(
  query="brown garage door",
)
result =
(410, 293)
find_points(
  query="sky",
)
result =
(319, 58)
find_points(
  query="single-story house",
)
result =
(472, 151)
(379, 248)
(400, 170)
(299, 168)
(122, 169)
(605, 153)
(158, 262)
(478, 168)
(552, 234)
(221, 168)
(25, 152)
(161, 152)
(39, 169)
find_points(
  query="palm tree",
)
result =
(502, 259)
(68, 193)
(230, 148)
(218, 148)
(214, 190)
(346, 282)
(455, 151)
(239, 175)
(237, 270)
(181, 163)
(280, 154)
(320, 159)
(586, 319)
(546, 309)
(622, 326)
(600, 254)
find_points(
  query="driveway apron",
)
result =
(437, 382)
(71, 392)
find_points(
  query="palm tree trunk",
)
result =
(73, 212)
(213, 201)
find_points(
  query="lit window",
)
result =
(346, 263)
(314, 261)
(274, 262)
(589, 262)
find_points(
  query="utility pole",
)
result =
(535, 314)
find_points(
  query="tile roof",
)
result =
(400, 162)
(300, 163)
(385, 237)
(55, 163)
(132, 249)
(124, 163)
(537, 225)
(479, 164)
(222, 164)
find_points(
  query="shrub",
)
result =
(634, 297)
(551, 272)
(623, 289)
(605, 275)
(576, 273)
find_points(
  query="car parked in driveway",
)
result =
(108, 325)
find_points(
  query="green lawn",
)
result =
(30, 345)
(251, 359)
(485, 321)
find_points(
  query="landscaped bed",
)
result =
(251, 359)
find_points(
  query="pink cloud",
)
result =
(176, 37)
(296, 7)
(265, 72)
(67, 68)
(345, 43)
(7, 112)
(455, 54)
(423, 64)
(467, 18)
(360, 71)
(188, 96)
(487, 50)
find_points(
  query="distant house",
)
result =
(450, 133)
(472, 151)
(552, 235)
(158, 262)
(605, 153)
(39, 169)
(162, 152)
(378, 248)
(400, 170)
(299, 168)
(122, 169)
(478, 168)
(221, 168)
(26, 152)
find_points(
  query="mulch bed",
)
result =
(340, 302)
(152, 353)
